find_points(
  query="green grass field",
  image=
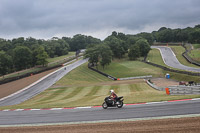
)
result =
(154, 56)
(195, 54)
(127, 68)
(82, 76)
(196, 46)
(94, 95)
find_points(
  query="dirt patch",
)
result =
(12, 87)
(179, 125)
(163, 82)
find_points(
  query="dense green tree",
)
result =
(5, 45)
(5, 63)
(56, 47)
(194, 36)
(134, 52)
(18, 42)
(99, 54)
(147, 36)
(116, 46)
(105, 55)
(41, 57)
(93, 54)
(30, 42)
(165, 35)
(132, 40)
(81, 42)
(144, 47)
(22, 57)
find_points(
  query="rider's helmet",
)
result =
(111, 91)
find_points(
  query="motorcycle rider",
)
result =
(113, 96)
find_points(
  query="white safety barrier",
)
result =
(138, 77)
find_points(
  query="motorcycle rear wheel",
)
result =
(104, 105)
(120, 104)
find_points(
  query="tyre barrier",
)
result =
(183, 90)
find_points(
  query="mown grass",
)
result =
(154, 56)
(178, 50)
(81, 76)
(196, 46)
(127, 68)
(94, 95)
(195, 54)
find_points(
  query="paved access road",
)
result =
(99, 114)
(41, 86)
(170, 59)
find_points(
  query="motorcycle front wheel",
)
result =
(120, 104)
(104, 105)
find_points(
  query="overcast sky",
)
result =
(57, 18)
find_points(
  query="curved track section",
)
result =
(170, 59)
(28, 93)
(99, 114)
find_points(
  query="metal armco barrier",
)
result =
(138, 77)
(184, 90)
(154, 86)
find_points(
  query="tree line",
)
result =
(22, 53)
(118, 44)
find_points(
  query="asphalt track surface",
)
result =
(170, 59)
(44, 84)
(30, 118)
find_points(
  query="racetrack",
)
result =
(170, 59)
(84, 115)
(98, 114)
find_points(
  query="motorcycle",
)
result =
(108, 102)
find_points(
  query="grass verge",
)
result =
(195, 54)
(94, 95)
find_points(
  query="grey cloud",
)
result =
(47, 18)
